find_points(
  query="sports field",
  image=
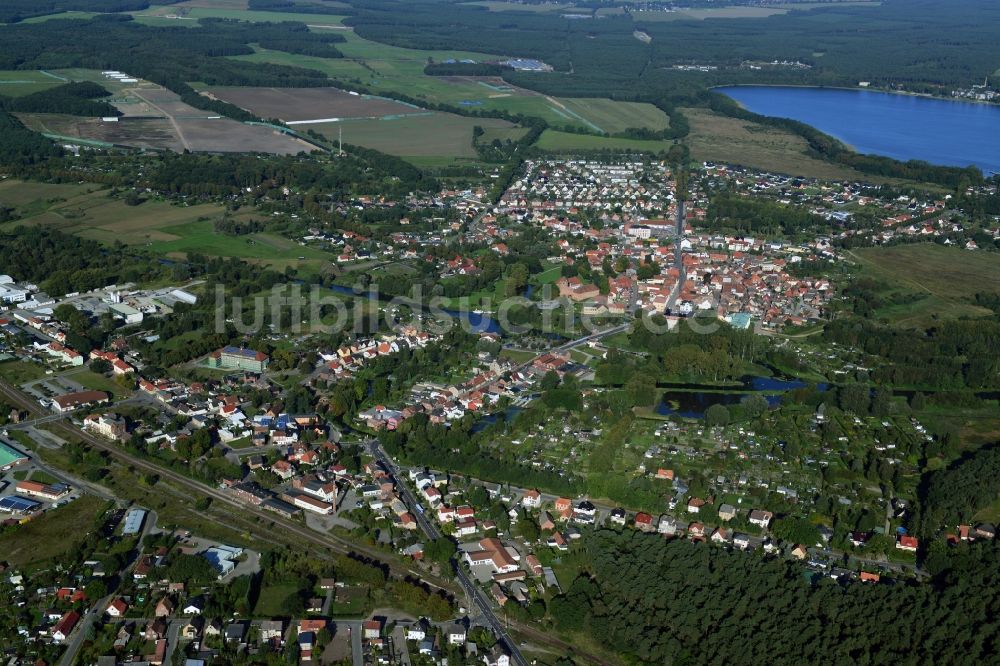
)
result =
(936, 282)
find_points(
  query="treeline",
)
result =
(952, 496)
(12, 11)
(466, 69)
(659, 602)
(294, 7)
(20, 147)
(78, 99)
(753, 215)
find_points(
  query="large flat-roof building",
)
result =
(10, 457)
(237, 358)
(133, 521)
(15, 504)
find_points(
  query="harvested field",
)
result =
(147, 133)
(167, 123)
(299, 104)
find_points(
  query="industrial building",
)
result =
(133, 521)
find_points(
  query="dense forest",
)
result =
(676, 602)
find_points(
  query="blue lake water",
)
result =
(904, 127)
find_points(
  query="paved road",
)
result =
(479, 599)
(82, 631)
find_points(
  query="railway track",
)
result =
(331, 543)
(334, 543)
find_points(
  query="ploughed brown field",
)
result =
(296, 104)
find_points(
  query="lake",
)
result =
(904, 127)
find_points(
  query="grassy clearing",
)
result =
(547, 276)
(61, 15)
(164, 228)
(272, 597)
(942, 280)
(20, 372)
(97, 382)
(16, 83)
(518, 355)
(200, 236)
(45, 539)
(498, 6)
(717, 138)
(90, 213)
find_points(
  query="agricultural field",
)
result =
(432, 134)
(16, 83)
(388, 69)
(933, 281)
(179, 126)
(716, 138)
(296, 105)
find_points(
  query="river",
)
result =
(904, 127)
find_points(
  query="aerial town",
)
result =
(265, 430)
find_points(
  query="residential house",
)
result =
(761, 518)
